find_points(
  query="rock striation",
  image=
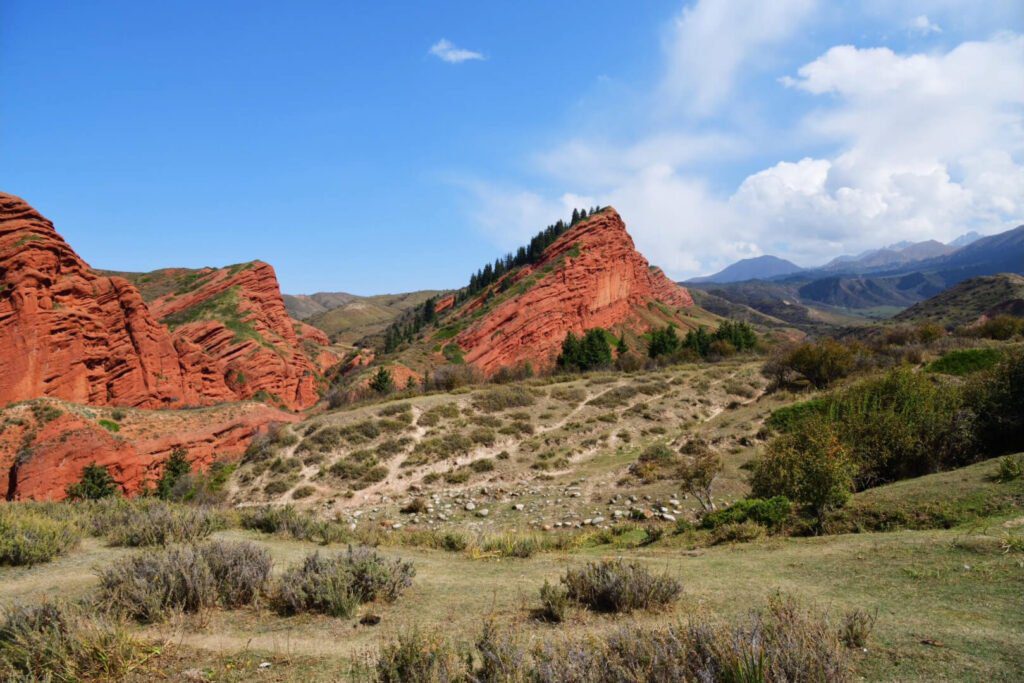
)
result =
(205, 336)
(70, 333)
(237, 316)
(592, 276)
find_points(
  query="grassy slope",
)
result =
(967, 301)
(364, 316)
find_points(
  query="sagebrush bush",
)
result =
(503, 398)
(28, 537)
(53, 642)
(418, 657)
(145, 522)
(188, 578)
(785, 642)
(554, 603)
(288, 521)
(619, 586)
(336, 585)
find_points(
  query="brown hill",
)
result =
(70, 333)
(970, 301)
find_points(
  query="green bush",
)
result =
(997, 399)
(592, 352)
(771, 513)
(28, 537)
(618, 586)
(737, 532)
(336, 585)
(176, 467)
(966, 361)
(810, 466)
(187, 578)
(820, 363)
(1011, 467)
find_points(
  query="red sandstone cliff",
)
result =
(592, 276)
(45, 445)
(70, 333)
(238, 317)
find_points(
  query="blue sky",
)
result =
(350, 147)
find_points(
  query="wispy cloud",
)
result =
(923, 25)
(447, 51)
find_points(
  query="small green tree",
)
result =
(382, 382)
(663, 342)
(809, 465)
(589, 353)
(176, 467)
(621, 348)
(95, 483)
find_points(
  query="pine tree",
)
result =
(575, 217)
(95, 483)
(382, 382)
(176, 467)
(621, 349)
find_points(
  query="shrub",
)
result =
(809, 466)
(416, 657)
(95, 483)
(28, 538)
(288, 521)
(336, 585)
(1001, 327)
(554, 603)
(736, 532)
(453, 541)
(382, 381)
(966, 361)
(52, 642)
(186, 578)
(304, 491)
(157, 523)
(482, 465)
(820, 363)
(1010, 467)
(997, 397)
(783, 642)
(414, 506)
(771, 513)
(856, 627)
(503, 398)
(618, 586)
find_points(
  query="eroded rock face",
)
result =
(69, 333)
(42, 452)
(592, 276)
(238, 317)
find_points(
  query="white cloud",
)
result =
(446, 51)
(711, 41)
(923, 146)
(923, 25)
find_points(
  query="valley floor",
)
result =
(948, 602)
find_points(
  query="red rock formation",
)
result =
(70, 333)
(40, 458)
(592, 276)
(237, 316)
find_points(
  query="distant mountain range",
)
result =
(757, 268)
(874, 284)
